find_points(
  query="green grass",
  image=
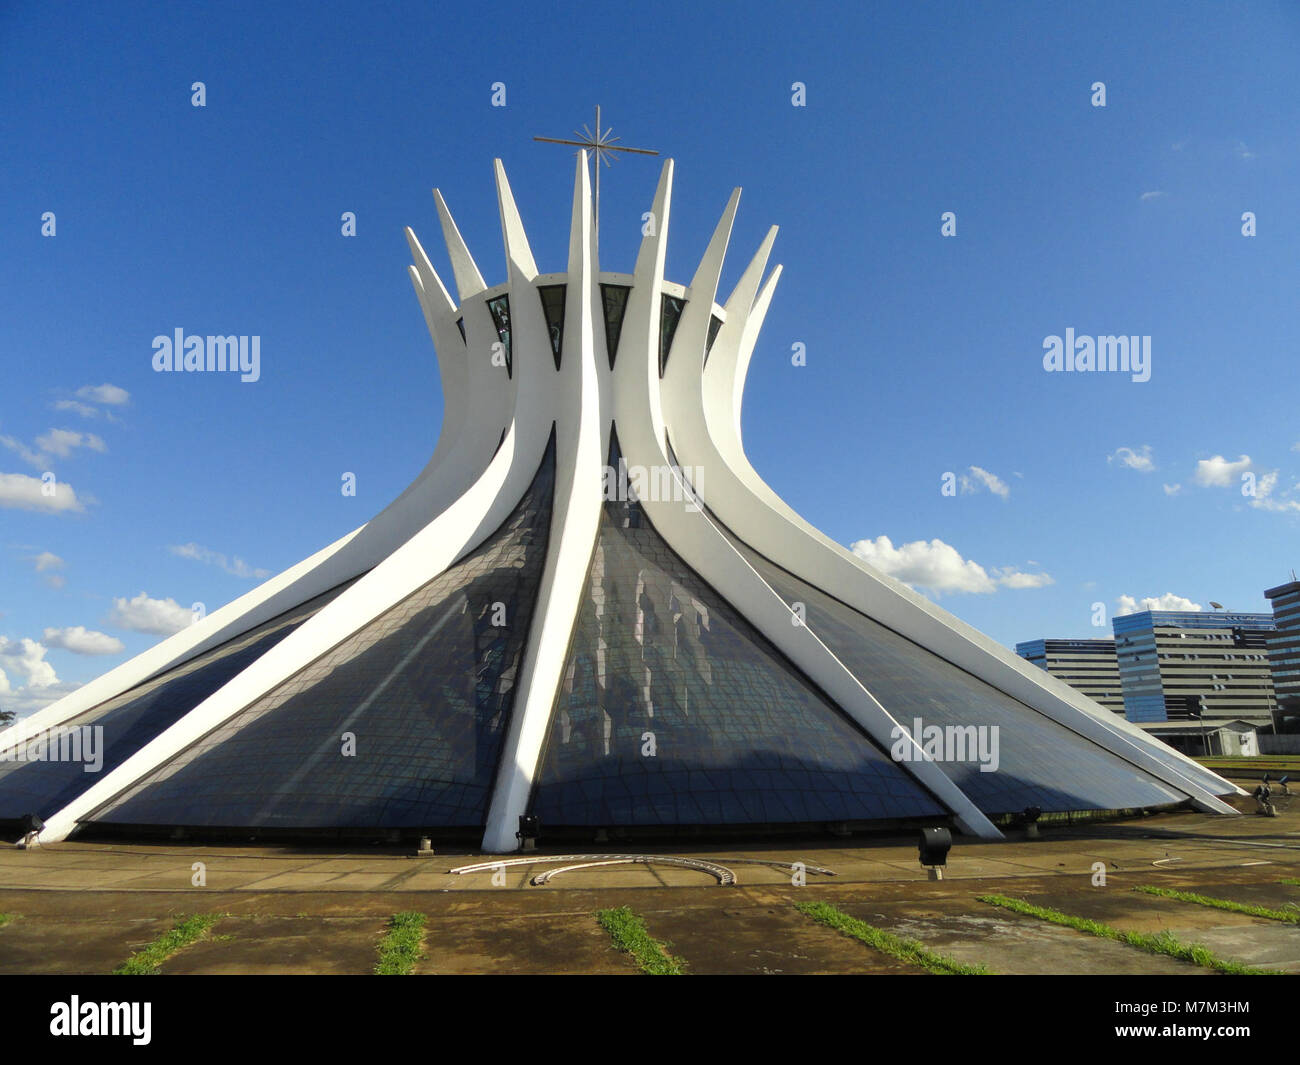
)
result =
(907, 950)
(1290, 880)
(186, 931)
(1290, 916)
(400, 948)
(628, 932)
(5, 918)
(1153, 943)
(1280, 762)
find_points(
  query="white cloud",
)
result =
(84, 409)
(82, 641)
(26, 493)
(1218, 472)
(236, 567)
(63, 442)
(161, 617)
(938, 567)
(44, 563)
(1243, 152)
(1263, 501)
(1139, 460)
(56, 443)
(981, 477)
(1013, 578)
(32, 458)
(1168, 601)
(26, 701)
(1172, 489)
(1154, 194)
(109, 395)
(28, 658)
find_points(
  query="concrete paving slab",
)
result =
(282, 946)
(74, 946)
(554, 943)
(764, 940)
(1017, 945)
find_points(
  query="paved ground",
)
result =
(85, 907)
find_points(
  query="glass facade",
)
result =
(715, 323)
(1038, 762)
(398, 726)
(553, 308)
(674, 710)
(135, 717)
(614, 298)
(670, 316)
(500, 308)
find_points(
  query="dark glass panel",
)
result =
(426, 690)
(1039, 762)
(500, 308)
(739, 736)
(614, 298)
(460, 324)
(715, 323)
(553, 309)
(670, 316)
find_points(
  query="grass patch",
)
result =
(1290, 880)
(1290, 916)
(1151, 942)
(908, 950)
(5, 918)
(628, 932)
(186, 931)
(400, 948)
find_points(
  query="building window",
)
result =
(500, 308)
(715, 323)
(553, 309)
(614, 297)
(670, 317)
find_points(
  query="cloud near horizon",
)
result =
(939, 567)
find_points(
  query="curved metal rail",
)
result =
(725, 876)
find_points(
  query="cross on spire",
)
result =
(602, 144)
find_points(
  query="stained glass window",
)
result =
(398, 726)
(674, 710)
(500, 308)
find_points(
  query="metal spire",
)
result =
(601, 143)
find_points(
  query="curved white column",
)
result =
(639, 421)
(705, 428)
(575, 520)
(495, 430)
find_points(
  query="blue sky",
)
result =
(924, 353)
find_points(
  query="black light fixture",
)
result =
(933, 848)
(31, 826)
(1029, 817)
(530, 827)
